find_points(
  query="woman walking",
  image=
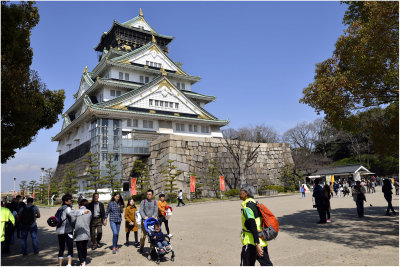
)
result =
(115, 208)
(161, 213)
(387, 193)
(64, 231)
(82, 232)
(327, 202)
(130, 221)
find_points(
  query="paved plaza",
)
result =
(209, 234)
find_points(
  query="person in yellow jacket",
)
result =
(6, 216)
(254, 248)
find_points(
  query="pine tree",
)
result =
(23, 185)
(111, 171)
(212, 178)
(142, 174)
(94, 180)
(170, 173)
(70, 183)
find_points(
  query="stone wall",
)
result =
(80, 168)
(193, 154)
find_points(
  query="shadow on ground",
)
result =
(48, 252)
(374, 230)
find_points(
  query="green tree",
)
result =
(22, 90)
(53, 182)
(362, 73)
(211, 180)
(32, 185)
(70, 181)
(23, 185)
(291, 177)
(94, 179)
(171, 173)
(142, 174)
(111, 178)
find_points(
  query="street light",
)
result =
(41, 193)
(15, 179)
(42, 174)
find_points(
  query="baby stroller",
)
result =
(155, 251)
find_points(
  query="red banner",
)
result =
(133, 186)
(192, 184)
(19, 192)
(222, 182)
(33, 194)
(48, 191)
(24, 192)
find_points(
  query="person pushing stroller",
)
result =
(159, 239)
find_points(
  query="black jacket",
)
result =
(102, 211)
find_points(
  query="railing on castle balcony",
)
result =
(138, 147)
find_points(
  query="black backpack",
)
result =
(28, 216)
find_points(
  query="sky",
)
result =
(254, 57)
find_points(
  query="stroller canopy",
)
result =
(148, 222)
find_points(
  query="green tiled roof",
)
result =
(199, 96)
(126, 23)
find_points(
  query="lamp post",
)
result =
(41, 195)
(15, 179)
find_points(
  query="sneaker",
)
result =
(328, 221)
(127, 244)
(117, 248)
(170, 235)
(140, 250)
(94, 247)
(83, 263)
(114, 251)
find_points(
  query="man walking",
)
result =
(254, 248)
(27, 216)
(97, 220)
(180, 198)
(6, 217)
(358, 193)
(319, 201)
(148, 208)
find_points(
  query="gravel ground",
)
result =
(209, 234)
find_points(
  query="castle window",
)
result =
(205, 129)
(142, 79)
(178, 85)
(156, 101)
(182, 86)
(146, 79)
(121, 76)
(127, 76)
(176, 105)
(171, 104)
(150, 102)
(190, 128)
(180, 127)
(112, 93)
(194, 128)
(118, 93)
(161, 103)
(148, 124)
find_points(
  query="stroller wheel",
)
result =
(158, 261)
(172, 258)
(149, 257)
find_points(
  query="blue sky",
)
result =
(255, 57)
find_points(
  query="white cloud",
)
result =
(19, 168)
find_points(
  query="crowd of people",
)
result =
(323, 195)
(84, 224)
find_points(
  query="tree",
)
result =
(22, 90)
(362, 73)
(111, 178)
(170, 173)
(259, 134)
(212, 178)
(32, 185)
(70, 182)
(94, 179)
(53, 182)
(142, 174)
(23, 185)
(199, 184)
(291, 177)
(244, 156)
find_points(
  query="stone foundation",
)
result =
(193, 155)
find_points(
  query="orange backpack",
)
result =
(270, 225)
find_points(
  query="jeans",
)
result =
(162, 220)
(115, 229)
(249, 256)
(360, 208)
(303, 194)
(161, 244)
(180, 201)
(62, 239)
(24, 237)
(389, 201)
(81, 246)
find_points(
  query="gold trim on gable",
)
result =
(152, 111)
(166, 84)
(119, 106)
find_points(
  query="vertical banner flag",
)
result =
(222, 182)
(19, 192)
(48, 191)
(33, 194)
(133, 186)
(332, 178)
(192, 184)
(14, 194)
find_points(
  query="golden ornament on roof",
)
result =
(85, 69)
(163, 72)
(140, 12)
(153, 39)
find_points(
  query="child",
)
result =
(162, 204)
(159, 238)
